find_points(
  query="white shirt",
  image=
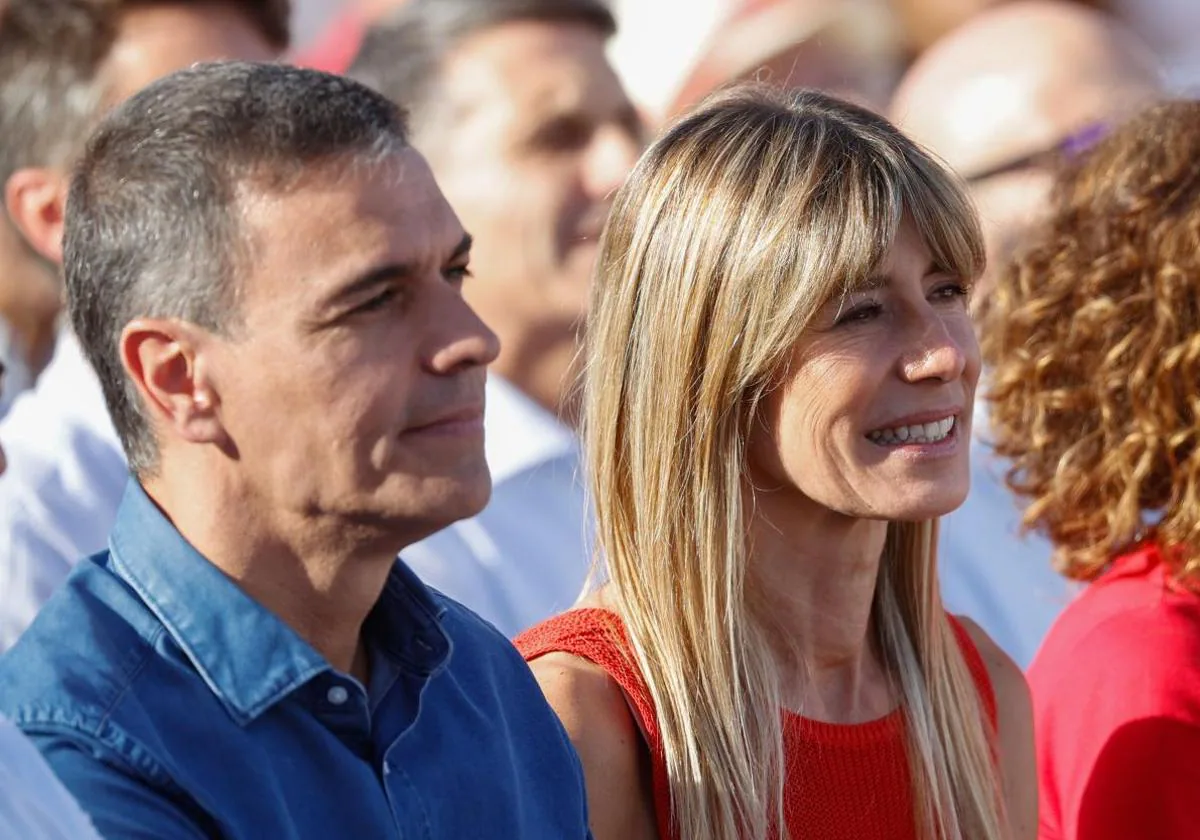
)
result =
(527, 555)
(16, 377)
(66, 475)
(33, 803)
(988, 570)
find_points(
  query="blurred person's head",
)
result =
(779, 339)
(1094, 340)
(1004, 98)
(62, 64)
(269, 283)
(925, 22)
(529, 132)
(847, 47)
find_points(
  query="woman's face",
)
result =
(873, 416)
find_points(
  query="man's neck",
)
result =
(319, 578)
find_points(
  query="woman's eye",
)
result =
(951, 291)
(859, 314)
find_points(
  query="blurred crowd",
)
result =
(188, 515)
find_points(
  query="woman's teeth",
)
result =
(918, 433)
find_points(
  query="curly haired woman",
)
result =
(1094, 341)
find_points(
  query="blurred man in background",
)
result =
(1003, 99)
(52, 55)
(62, 64)
(528, 131)
(33, 803)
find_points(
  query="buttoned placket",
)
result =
(342, 705)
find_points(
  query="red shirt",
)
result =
(844, 781)
(1116, 696)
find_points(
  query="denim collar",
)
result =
(246, 656)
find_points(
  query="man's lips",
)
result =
(467, 420)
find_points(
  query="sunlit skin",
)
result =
(532, 134)
(901, 349)
(897, 352)
(341, 417)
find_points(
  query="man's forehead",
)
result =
(390, 209)
(533, 66)
(156, 40)
(1001, 116)
(1017, 80)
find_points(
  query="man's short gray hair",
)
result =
(152, 224)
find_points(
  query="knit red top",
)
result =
(844, 781)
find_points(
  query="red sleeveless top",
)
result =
(844, 781)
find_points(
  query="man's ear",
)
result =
(36, 200)
(166, 359)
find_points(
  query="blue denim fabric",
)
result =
(172, 705)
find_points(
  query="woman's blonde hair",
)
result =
(1093, 336)
(734, 228)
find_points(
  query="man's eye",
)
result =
(379, 301)
(458, 273)
(563, 134)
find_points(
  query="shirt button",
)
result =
(337, 695)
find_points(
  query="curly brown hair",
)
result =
(1093, 339)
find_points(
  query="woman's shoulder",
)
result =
(1005, 678)
(599, 718)
(1014, 728)
(582, 661)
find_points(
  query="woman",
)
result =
(780, 379)
(1095, 341)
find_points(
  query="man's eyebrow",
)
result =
(369, 279)
(463, 247)
(385, 273)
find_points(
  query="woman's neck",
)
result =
(814, 574)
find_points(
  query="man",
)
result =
(528, 132)
(269, 283)
(33, 803)
(1003, 99)
(1000, 97)
(63, 62)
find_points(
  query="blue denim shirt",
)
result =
(172, 705)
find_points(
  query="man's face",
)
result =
(353, 389)
(157, 40)
(531, 135)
